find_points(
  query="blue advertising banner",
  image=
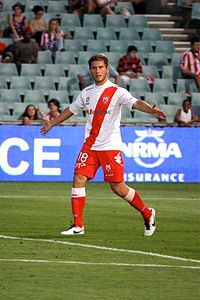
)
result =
(150, 154)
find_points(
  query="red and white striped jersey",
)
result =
(191, 61)
(103, 108)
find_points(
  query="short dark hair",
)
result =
(98, 57)
(55, 102)
(186, 100)
(195, 39)
(37, 8)
(131, 48)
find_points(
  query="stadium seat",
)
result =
(3, 83)
(30, 70)
(163, 86)
(150, 71)
(195, 14)
(44, 84)
(113, 57)
(75, 94)
(196, 110)
(154, 98)
(20, 83)
(74, 46)
(128, 34)
(34, 97)
(195, 98)
(186, 85)
(94, 21)
(170, 111)
(7, 41)
(10, 96)
(98, 45)
(70, 21)
(57, 7)
(61, 96)
(157, 59)
(118, 46)
(166, 47)
(7, 70)
(141, 117)
(73, 70)
(176, 98)
(44, 57)
(19, 108)
(115, 21)
(4, 110)
(139, 86)
(106, 35)
(55, 71)
(126, 115)
(65, 58)
(139, 22)
(143, 47)
(84, 56)
(167, 72)
(83, 34)
(152, 35)
(68, 84)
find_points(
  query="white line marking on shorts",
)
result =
(94, 263)
(101, 248)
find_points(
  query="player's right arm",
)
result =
(66, 114)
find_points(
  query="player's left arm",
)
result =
(145, 107)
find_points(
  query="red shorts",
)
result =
(88, 162)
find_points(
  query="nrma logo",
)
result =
(149, 149)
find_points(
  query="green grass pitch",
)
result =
(112, 260)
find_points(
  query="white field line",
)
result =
(94, 197)
(102, 248)
(95, 264)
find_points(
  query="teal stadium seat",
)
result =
(61, 96)
(124, 4)
(35, 96)
(139, 86)
(115, 21)
(10, 96)
(4, 110)
(163, 86)
(70, 21)
(44, 84)
(157, 59)
(74, 70)
(7, 70)
(68, 84)
(186, 85)
(129, 34)
(84, 56)
(74, 46)
(3, 83)
(154, 98)
(94, 21)
(152, 34)
(30, 70)
(170, 110)
(176, 98)
(96, 45)
(195, 98)
(150, 71)
(57, 7)
(55, 71)
(139, 22)
(106, 35)
(166, 47)
(20, 83)
(195, 14)
(65, 58)
(118, 46)
(84, 34)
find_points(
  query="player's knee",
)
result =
(117, 189)
(79, 180)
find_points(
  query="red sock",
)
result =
(138, 203)
(77, 210)
(78, 202)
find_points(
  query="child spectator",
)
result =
(29, 115)
(129, 65)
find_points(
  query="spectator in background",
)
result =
(38, 23)
(17, 22)
(54, 107)
(2, 20)
(29, 115)
(85, 77)
(25, 50)
(129, 65)
(185, 116)
(190, 64)
(100, 7)
(76, 7)
(53, 38)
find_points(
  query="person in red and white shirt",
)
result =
(190, 64)
(103, 101)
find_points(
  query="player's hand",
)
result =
(159, 113)
(45, 128)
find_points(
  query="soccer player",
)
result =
(102, 146)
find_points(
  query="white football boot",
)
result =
(73, 230)
(150, 224)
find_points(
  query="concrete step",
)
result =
(163, 17)
(175, 37)
(163, 24)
